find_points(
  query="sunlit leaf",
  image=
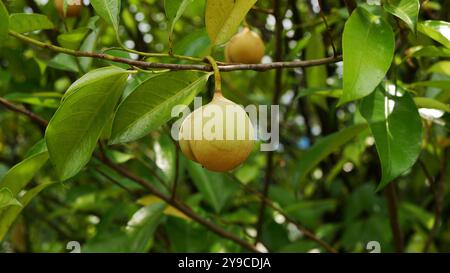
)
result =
(150, 104)
(368, 44)
(223, 18)
(73, 131)
(406, 10)
(109, 10)
(436, 30)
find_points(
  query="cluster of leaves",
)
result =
(393, 92)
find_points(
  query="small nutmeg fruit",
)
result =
(73, 9)
(246, 47)
(218, 135)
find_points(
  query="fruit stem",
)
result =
(217, 77)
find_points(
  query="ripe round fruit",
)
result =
(218, 135)
(73, 10)
(245, 47)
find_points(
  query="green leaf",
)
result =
(436, 30)
(316, 76)
(174, 10)
(142, 226)
(27, 22)
(431, 104)
(397, 128)
(194, 44)
(88, 45)
(73, 39)
(64, 62)
(150, 104)
(406, 10)
(44, 99)
(109, 10)
(325, 146)
(429, 51)
(223, 17)
(368, 45)
(18, 177)
(4, 19)
(9, 214)
(74, 130)
(442, 67)
(215, 187)
(7, 199)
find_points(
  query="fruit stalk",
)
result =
(217, 77)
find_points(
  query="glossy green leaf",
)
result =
(223, 17)
(406, 10)
(9, 214)
(18, 177)
(27, 22)
(4, 19)
(7, 199)
(325, 146)
(368, 45)
(142, 226)
(150, 104)
(215, 187)
(74, 130)
(397, 128)
(109, 10)
(431, 103)
(436, 30)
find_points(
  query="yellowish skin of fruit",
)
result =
(72, 10)
(217, 155)
(246, 47)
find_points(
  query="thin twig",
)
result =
(262, 10)
(328, 29)
(391, 198)
(176, 67)
(37, 119)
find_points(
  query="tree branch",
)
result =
(176, 67)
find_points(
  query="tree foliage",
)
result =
(86, 111)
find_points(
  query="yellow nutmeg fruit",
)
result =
(245, 47)
(73, 9)
(218, 135)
